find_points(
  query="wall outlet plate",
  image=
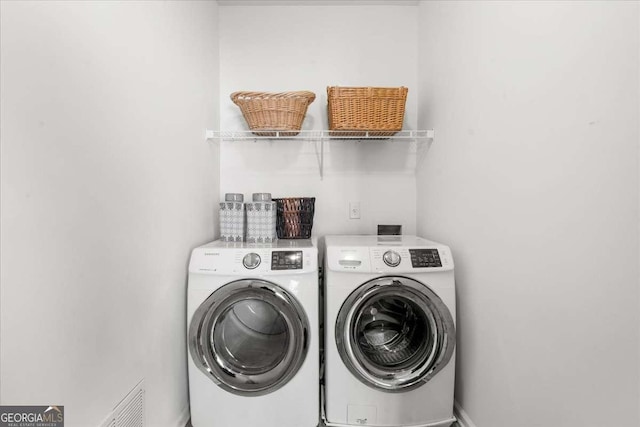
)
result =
(354, 210)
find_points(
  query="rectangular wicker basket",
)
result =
(356, 110)
(294, 217)
(265, 111)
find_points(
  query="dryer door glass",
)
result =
(394, 333)
(250, 337)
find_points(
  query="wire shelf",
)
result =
(318, 135)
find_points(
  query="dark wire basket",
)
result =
(294, 217)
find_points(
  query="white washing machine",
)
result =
(389, 332)
(252, 319)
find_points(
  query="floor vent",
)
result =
(130, 411)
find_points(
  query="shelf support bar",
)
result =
(321, 158)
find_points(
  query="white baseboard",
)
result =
(462, 416)
(184, 417)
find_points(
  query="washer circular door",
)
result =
(249, 337)
(394, 334)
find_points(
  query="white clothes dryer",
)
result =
(389, 332)
(252, 319)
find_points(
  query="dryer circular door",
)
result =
(249, 337)
(394, 334)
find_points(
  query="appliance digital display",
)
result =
(425, 258)
(286, 260)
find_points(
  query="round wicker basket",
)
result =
(265, 111)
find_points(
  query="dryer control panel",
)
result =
(228, 259)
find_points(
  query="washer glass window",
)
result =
(250, 337)
(394, 334)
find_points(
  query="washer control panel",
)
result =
(410, 259)
(286, 260)
(386, 254)
(421, 258)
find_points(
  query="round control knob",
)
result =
(391, 258)
(251, 260)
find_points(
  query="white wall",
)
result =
(282, 48)
(533, 181)
(107, 184)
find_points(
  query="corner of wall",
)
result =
(463, 418)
